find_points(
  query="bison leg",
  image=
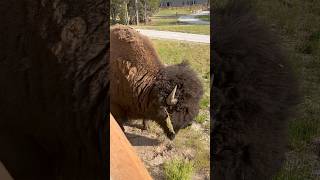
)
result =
(119, 115)
(146, 124)
(121, 121)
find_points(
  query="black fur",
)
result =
(189, 94)
(252, 96)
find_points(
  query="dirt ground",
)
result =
(155, 149)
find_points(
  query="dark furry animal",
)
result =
(141, 85)
(54, 86)
(253, 93)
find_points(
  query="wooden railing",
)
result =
(4, 174)
(124, 162)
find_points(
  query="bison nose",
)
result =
(171, 136)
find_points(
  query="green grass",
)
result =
(204, 17)
(205, 102)
(301, 161)
(192, 139)
(295, 20)
(299, 166)
(306, 127)
(194, 29)
(174, 11)
(178, 169)
(201, 118)
(178, 10)
(167, 20)
(198, 55)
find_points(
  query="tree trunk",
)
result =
(53, 95)
(145, 12)
(137, 12)
(126, 13)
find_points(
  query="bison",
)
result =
(54, 87)
(144, 88)
(253, 94)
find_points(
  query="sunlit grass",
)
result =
(167, 20)
(198, 55)
(178, 169)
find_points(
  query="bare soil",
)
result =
(154, 149)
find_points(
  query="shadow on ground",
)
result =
(138, 140)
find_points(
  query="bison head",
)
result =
(177, 92)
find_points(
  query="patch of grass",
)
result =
(205, 102)
(295, 21)
(177, 10)
(194, 29)
(153, 127)
(202, 161)
(189, 138)
(201, 118)
(161, 21)
(310, 45)
(204, 17)
(306, 127)
(174, 11)
(178, 169)
(298, 166)
(198, 55)
(167, 20)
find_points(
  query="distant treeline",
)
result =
(132, 11)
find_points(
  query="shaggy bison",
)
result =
(144, 88)
(54, 86)
(253, 93)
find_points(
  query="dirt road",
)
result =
(175, 36)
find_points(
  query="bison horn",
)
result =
(171, 100)
(169, 123)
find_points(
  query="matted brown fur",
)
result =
(140, 83)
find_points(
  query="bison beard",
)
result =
(253, 93)
(143, 88)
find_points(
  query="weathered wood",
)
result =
(124, 162)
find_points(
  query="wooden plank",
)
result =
(4, 174)
(124, 162)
